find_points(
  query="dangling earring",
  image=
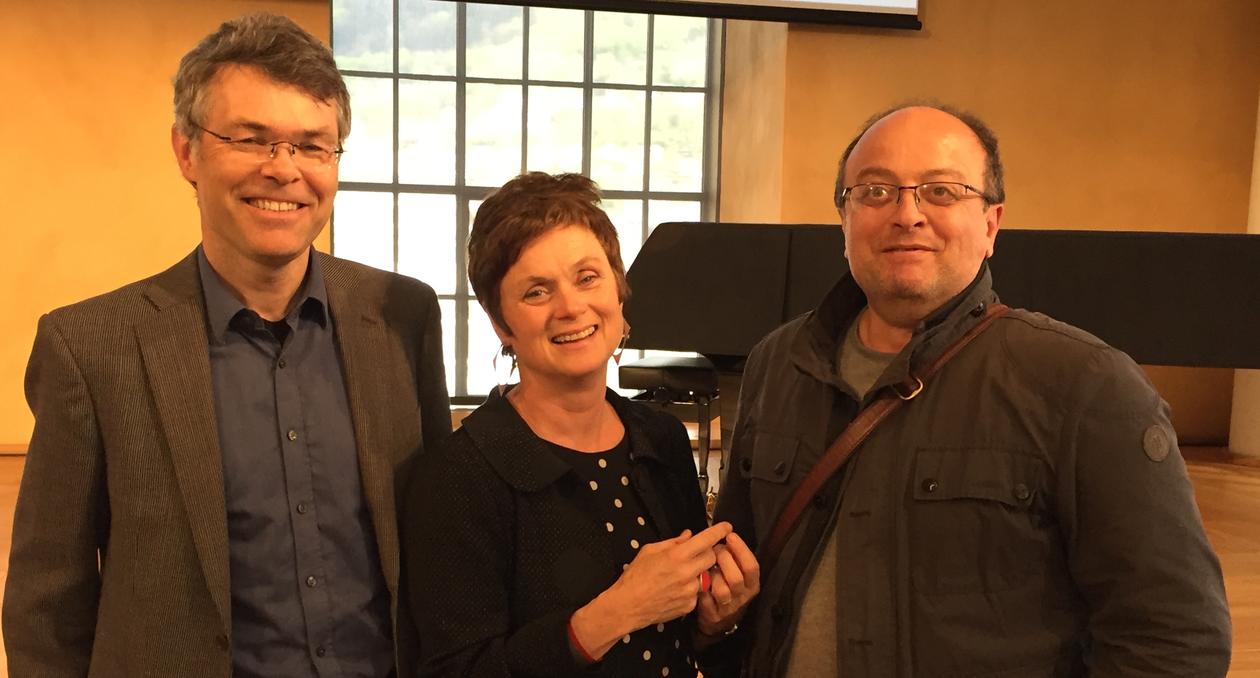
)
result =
(500, 377)
(621, 347)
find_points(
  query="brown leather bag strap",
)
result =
(853, 435)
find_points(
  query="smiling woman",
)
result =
(560, 530)
(452, 99)
(560, 309)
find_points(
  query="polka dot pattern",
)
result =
(659, 649)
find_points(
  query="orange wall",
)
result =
(1112, 114)
(91, 196)
(753, 93)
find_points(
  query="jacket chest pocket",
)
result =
(768, 470)
(978, 520)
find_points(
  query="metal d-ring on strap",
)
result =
(917, 389)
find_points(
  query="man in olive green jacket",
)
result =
(1027, 514)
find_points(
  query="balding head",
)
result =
(994, 185)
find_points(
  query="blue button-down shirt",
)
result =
(308, 595)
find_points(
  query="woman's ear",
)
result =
(504, 335)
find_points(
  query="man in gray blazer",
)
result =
(209, 489)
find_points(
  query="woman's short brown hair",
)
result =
(520, 211)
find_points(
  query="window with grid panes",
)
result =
(452, 99)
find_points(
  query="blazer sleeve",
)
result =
(460, 553)
(678, 446)
(435, 404)
(61, 522)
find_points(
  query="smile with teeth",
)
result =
(566, 338)
(273, 205)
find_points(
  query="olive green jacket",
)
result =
(1028, 514)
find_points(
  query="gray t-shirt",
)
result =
(813, 650)
(859, 366)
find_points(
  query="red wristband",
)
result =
(577, 646)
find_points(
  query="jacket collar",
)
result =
(817, 343)
(179, 284)
(522, 459)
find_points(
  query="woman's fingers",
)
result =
(731, 573)
(746, 560)
(705, 540)
(708, 609)
(720, 590)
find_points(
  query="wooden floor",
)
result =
(1228, 492)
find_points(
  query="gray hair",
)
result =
(274, 45)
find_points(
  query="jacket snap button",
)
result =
(222, 641)
(929, 485)
(745, 465)
(1022, 492)
(978, 310)
(779, 468)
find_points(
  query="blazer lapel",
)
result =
(174, 347)
(366, 352)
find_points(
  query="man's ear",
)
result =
(993, 222)
(843, 232)
(184, 153)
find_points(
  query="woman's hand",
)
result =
(736, 581)
(660, 584)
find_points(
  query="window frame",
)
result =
(462, 298)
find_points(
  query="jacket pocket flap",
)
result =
(772, 457)
(1005, 476)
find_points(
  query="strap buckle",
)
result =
(917, 390)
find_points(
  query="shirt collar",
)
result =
(222, 305)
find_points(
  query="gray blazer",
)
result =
(119, 564)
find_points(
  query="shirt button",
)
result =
(929, 485)
(222, 641)
(320, 651)
(819, 502)
(745, 464)
(302, 508)
(1022, 492)
(292, 434)
(311, 581)
(280, 363)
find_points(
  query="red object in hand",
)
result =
(705, 581)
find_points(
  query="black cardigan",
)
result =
(501, 545)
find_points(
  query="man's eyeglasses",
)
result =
(304, 154)
(936, 193)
